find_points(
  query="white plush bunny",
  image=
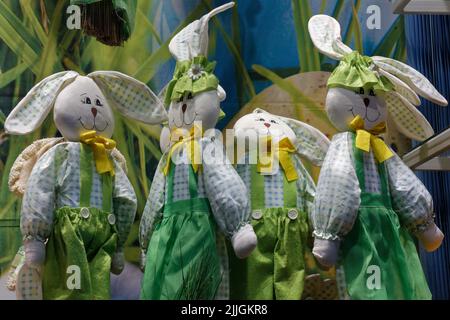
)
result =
(190, 196)
(368, 200)
(281, 194)
(78, 203)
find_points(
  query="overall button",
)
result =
(293, 214)
(111, 219)
(257, 214)
(85, 213)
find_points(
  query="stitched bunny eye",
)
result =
(372, 93)
(273, 121)
(86, 100)
(261, 119)
(98, 103)
(361, 90)
(180, 100)
(190, 96)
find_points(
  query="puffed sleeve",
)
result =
(410, 199)
(154, 206)
(306, 189)
(124, 204)
(38, 205)
(338, 193)
(225, 190)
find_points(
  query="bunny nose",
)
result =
(94, 112)
(267, 125)
(184, 107)
(366, 101)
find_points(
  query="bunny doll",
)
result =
(78, 203)
(188, 198)
(281, 193)
(368, 201)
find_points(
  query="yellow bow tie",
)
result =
(99, 146)
(179, 137)
(365, 140)
(283, 150)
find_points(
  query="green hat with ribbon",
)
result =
(356, 71)
(193, 76)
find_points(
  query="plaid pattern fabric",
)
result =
(130, 96)
(371, 175)
(338, 194)
(273, 185)
(32, 107)
(55, 183)
(154, 206)
(273, 190)
(404, 117)
(410, 199)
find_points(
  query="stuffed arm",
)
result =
(125, 205)
(228, 197)
(153, 208)
(413, 204)
(38, 206)
(337, 200)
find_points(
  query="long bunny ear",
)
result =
(29, 114)
(407, 118)
(192, 41)
(311, 143)
(130, 97)
(401, 87)
(325, 33)
(412, 78)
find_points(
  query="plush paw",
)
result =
(118, 262)
(244, 241)
(34, 253)
(326, 252)
(431, 238)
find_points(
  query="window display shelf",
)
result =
(430, 154)
(421, 7)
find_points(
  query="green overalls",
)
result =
(182, 260)
(276, 268)
(379, 257)
(83, 240)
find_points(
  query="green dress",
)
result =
(182, 260)
(378, 256)
(276, 268)
(81, 244)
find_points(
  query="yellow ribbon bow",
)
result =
(367, 139)
(283, 149)
(99, 146)
(180, 138)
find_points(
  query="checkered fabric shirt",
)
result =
(273, 185)
(55, 182)
(338, 191)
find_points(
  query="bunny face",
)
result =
(343, 105)
(204, 107)
(81, 107)
(264, 124)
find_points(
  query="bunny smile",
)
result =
(94, 126)
(184, 122)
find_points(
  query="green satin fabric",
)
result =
(378, 242)
(182, 260)
(87, 244)
(276, 268)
